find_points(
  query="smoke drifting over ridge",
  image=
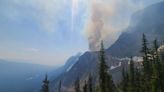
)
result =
(108, 19)
(99, 27)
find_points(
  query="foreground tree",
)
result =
(146, 65)
(77, 85)
(132, 76)
(150, 76)
(45, 86)
(60, 86)
(161, 70)
(85, 87)
(105, 80)
(90, 86)
(125, 81)
(138, 81)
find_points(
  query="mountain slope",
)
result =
(149, 21)
(65, 68)
(86, 64)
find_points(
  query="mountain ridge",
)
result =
(148, 21)
(128, 44)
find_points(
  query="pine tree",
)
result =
(103, 68)
(110, 85)
(137, 80)
(146, 64)
(105, 80)
(161, 72)
(45, 86)
(132, 76)
(145, 52)
(155, 86)
(85, 87)
(124, 83)
(90, 86)
(60, 86)
(77, 85)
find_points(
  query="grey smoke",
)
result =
(109, 18)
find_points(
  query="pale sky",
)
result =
(50, 31)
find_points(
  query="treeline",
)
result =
(150, 76)
(147, 77)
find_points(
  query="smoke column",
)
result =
(98, 27)
(108, 19)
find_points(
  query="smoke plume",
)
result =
(98, 27)
(107, 20)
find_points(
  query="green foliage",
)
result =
(77, 85)
(85, 87)
(150, 77)
(124, 83)
(60, 86)
(105, 80)
(146, 78)
(160, 68)
(90, 83)
(131, 76)
(45, 86)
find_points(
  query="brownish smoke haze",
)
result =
(101, 25)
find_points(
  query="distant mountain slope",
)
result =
(21, 77)
(65, 68)
(149, 21)
(86, 64)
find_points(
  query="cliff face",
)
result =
(87, 63)
(149, 21)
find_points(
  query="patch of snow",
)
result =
(137, 59)
(161, 48)
(112, 67)
(69, 68)
(119, 64)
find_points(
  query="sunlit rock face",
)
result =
(161, 52)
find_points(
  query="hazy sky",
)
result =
(50, 31)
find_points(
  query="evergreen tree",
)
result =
(124, 83)
(45, 86)
(137, 80)
(85, 88)
(60, 86)
(103, 68)
(110, 85)
(105, 80)
(150, 77)
(132, 76)
(77, 85)
(90, 86)
(146, 65)
(162, 70)
(145, 52)
(97, 89)
(155, 85)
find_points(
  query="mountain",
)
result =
(86, 64)
(149, 21)
(21, 77)
(65, 68)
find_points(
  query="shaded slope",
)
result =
(149, 21)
